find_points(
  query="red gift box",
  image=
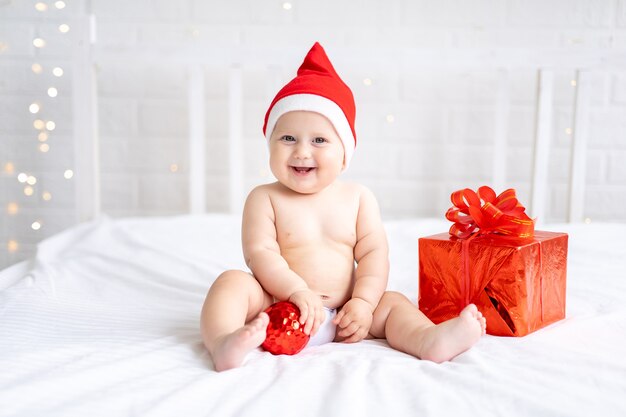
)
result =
(492, 257)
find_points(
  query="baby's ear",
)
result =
(344, 166)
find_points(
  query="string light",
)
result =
(34, 108)
(587, 220)
(42, 124)
(390, 118)
(37, 68)
(12, 208)
(367, 81)
(174, 168)
(287, 5)
(194, 31)
(573, 83)
(39, 43)
(12, 246)
(568, 130)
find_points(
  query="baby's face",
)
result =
(306, 154)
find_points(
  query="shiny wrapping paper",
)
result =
(518, 284)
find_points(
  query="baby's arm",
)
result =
(372, 256)
(262, 255)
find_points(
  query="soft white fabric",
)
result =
(104, 322)
(327, 330)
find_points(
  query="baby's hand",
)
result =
(354, 320)
(311, 309)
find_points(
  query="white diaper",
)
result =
(326, 332)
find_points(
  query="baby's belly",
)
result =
(327, 271)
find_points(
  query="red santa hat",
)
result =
(317, 88)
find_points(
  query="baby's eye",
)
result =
(319, 140)
(288, 138)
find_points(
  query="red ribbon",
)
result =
(489, 214)
(480, 213)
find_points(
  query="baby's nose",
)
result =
(302, 150)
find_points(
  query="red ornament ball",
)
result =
(285, 334)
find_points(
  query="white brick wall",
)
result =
(440, 138)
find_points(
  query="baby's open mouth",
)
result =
(302, 170)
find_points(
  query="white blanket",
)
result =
(104, 322)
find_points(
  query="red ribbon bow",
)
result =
(488, 213)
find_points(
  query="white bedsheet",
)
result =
(104, 322)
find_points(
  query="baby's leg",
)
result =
(407, 329)
(232, 322)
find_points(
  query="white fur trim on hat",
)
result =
(317, 104)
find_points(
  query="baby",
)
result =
(303, 235)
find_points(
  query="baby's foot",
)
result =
(450, 338)
(231, 350)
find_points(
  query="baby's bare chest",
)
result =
(309, 224)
